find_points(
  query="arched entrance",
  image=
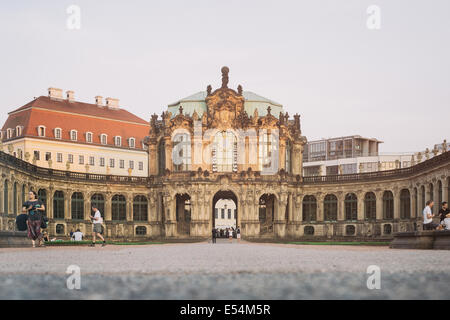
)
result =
(183, 214)
(225, 211)
(266, 213)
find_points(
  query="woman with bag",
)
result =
(35, 208)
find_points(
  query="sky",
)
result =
(318, 58)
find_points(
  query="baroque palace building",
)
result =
(231, 145)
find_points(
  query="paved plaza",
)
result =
(224, 271)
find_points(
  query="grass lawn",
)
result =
(342, 243)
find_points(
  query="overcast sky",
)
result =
(318, 58)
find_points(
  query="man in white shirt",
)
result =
(97, 221)
(78, 235)
(428, 217)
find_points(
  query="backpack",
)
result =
(44, 222)
(21, 222)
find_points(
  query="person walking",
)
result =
(97, 221)
(34, 208)
(428, 216)
(238, 234)
(214, 235)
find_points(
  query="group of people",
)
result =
(226, 233)
(34, 214)
(444, 217)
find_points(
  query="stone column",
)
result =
(282, 155)
(152, 157)
(360, 198)
(299, 207)
(280, 216)
(445, 191)
(87, 205)
(340, 206)
(320, 208)
(379, 204)
(129, 198)
(437, 205)
(396, 193)
(108, 207)
(413, 202)
(68, 204)
(297, 157)
(50, 209)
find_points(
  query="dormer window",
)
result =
(103, 139)
(9, 133)
(41, 131)
(118, 141)
(58, 133)
(89, 137)
(73, 135)
(132, 142)
(18, 131)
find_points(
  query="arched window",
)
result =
(58, 205)
(98, 201)
(161, 157)
(224, 152)
(42, 195)
(119, 208)
(181, 154)
(267, 146)
(351, 207)
(132, 142)
(103, 138)
(77, 206)
(388, 205)
(370, 206)
(140, 208)
(330, 207)
(439, 193)
(405, 204)
(15, 198)
(416, 195)
(58, 133)
(309, 209)
(5, 197)
(73, 135)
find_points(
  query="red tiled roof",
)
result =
(78, 116)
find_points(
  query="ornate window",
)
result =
(309, 209)
(224, 153)
(98, 201)
(309, 230)
(405, 204)
(77, 206)
(267, 146)
(388, 205)
(119, 208)
(330, 207)
(370, 206)
(60, 229)
(140, 208)
(58, 205)
(351, 207)
(141, 231)
(181, 152)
